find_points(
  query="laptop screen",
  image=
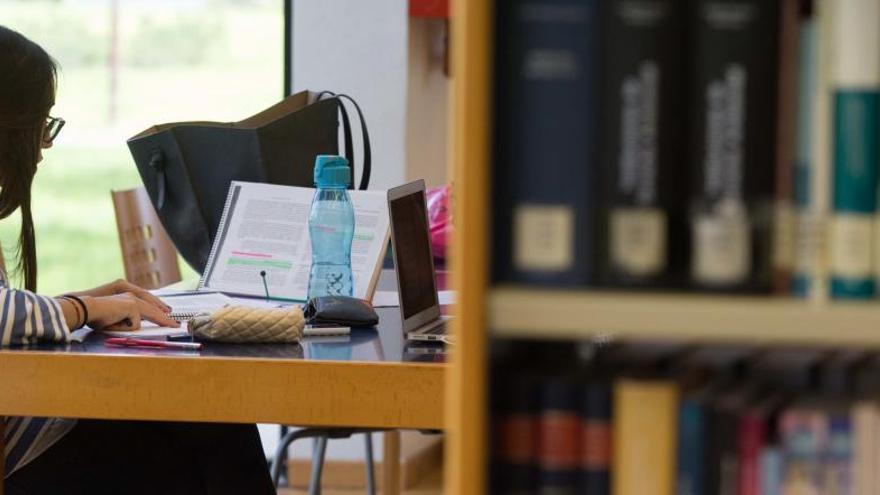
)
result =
(412, 252)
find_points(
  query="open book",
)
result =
(265, 227)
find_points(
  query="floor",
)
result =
(431, 485)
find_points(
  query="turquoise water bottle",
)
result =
(331, 227)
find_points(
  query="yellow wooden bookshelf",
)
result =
(538, 313)
(466, 411)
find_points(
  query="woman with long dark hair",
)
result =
(59, 455)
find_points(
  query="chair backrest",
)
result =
(148, 254)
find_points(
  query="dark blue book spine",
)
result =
(642, 128)
(840, 455)
(559, 436)
(515, 402)
(691, 478)
(545, 161)
(596, 439)
(732, 103)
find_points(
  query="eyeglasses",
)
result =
(53, 127)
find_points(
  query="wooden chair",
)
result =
(149, 256)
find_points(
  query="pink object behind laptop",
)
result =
(439, 201)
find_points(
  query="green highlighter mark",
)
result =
(261, 263)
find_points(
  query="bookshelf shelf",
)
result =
(572, 314)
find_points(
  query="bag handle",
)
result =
(347, 137)
(367, 167)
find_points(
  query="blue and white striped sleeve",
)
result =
(27, 318)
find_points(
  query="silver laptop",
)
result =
(416, 280)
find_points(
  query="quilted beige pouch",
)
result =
(244, 324)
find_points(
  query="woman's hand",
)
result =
(124, 312)
(122, 287)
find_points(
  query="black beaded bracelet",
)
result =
(82, 305)
(75, 308)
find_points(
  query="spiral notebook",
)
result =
(187, 305)
(262, 244)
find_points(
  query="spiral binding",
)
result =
(210, 263)
(183, 315)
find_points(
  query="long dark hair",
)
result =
(28, 78)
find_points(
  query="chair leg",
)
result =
(317, 465)
(368, 455)
(278, 459)
(322, 435)
(282, 478)
(284, 443)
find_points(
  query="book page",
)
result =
(149, 330)
(266, 229)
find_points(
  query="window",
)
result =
(126, 65)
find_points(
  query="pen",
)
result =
(313, 331)
(153, 344)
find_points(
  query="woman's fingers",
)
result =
(126, 312)
(150, 312)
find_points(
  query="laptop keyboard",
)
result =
(439, 329)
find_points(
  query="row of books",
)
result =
(720, 145)
(694, 422)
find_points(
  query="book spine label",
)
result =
(732, 142)
(642, 67)
(856, 122)
(516, 448)
(559, 435)
(515, 431)
(545, 166)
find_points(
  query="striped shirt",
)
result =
(26, 318)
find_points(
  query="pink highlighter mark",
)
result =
(252, 255)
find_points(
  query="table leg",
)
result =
(391, 462)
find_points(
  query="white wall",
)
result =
(359, 47)
(427, 115)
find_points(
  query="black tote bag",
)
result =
(186, 167)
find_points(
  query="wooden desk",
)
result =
(370, 380)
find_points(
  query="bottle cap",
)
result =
(332, 171)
